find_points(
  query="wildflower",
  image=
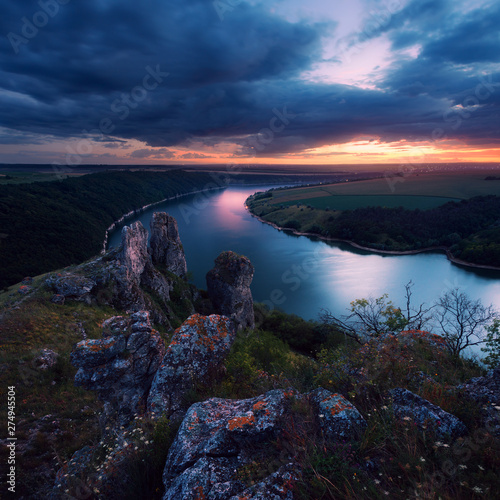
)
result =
(438, 443)
(477, 489)
(321, 416)
(376, 481)
(406, 418)
(480, 468)
(446, 445)
(462, 467)
(386, 493)
(422, 459)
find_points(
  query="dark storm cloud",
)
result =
(170, 73)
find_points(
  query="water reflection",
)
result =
(308, 273)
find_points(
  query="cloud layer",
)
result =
(171, 74)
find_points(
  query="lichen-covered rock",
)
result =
(72, 286)
(485, 389)
(165, 245)
(228, 286)
(195, 355)
(121, 366)
(134, 253)
(486, 392)
(45, 359)
(68, 478)
(215, 438)
(277, 486)
(212, 475)
(410, 406)
(338, 418)
(58, 299)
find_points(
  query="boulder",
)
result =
(228, 287)
(410, 406)
(45, 359)
(195, 355)
(58, 299)
(339, 419)
(485, 391)
(72, 286)
(217, 437)
(121, 365)
(165, 245)
(278, 485)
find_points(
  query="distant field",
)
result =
(351, 202)
(30, 177)
(420, 191)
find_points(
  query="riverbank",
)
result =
(126, 216)
(442, 249)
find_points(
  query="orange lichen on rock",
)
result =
(199, 493)
(259, 405)
(339, 406)
(240, 422)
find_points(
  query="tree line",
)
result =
(48, 225)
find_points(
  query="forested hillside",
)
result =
(45, 226)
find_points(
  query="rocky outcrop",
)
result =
(339, 419)
(126, 278)
(165, 245)
(121, 365)
(228, 286)
(411, 407)
(72, 286)
(485, 391)
(219, 436)
(134, 251)
(195, 355)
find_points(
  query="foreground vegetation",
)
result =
(393, 460)
(47, 225)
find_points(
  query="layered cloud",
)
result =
(233, 75)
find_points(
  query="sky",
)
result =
(249, 81)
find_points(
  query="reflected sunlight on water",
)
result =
(309, 274)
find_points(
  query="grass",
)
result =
(394, 459)
(461, 185)
(53, 417)
(351, 202)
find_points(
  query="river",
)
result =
(301, 275)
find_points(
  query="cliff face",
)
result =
(134, 252)
(195, 356)
(228, 286)
(120, 366)
(128, 278)
(166, 247)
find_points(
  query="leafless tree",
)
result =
(417, 318)
(462, 321)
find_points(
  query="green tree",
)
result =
(492, 344)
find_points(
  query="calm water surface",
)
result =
(301, 275)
